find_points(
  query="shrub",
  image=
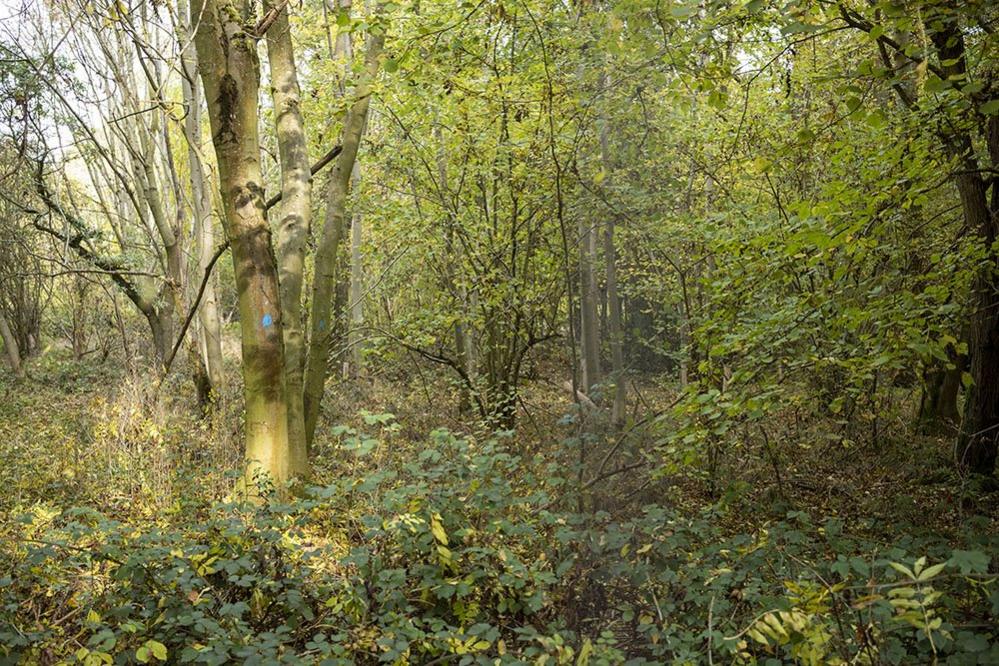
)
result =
(454, 555)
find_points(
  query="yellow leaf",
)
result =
(158, 649)
(437, 528)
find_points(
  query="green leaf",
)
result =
(990, 108)
(151, 647)
(930, 572)
(902, 569)
(970, 561)
(797, 28)
(391, 65)
(159, 650)
(877, 119)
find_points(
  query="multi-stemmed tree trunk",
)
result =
(462, 334)
(127, 149)
(295, 214)
(977, 443)
(976, 447)
(231, 75)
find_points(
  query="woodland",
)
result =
(499, 332)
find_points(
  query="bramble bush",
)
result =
(460, 555)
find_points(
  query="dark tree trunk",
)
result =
(975, 448)
(938, 407)
(976, 443)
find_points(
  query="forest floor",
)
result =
(80, 433)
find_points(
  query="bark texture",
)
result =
(209, 324)
(230, 72)
(295, 216)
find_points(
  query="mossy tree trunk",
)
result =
(11, 347)
(230, 72)
(295, 216)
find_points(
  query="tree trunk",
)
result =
(209, 329)
(356, 305)
(328, 250)
(938, 405)
(166, 299)
(589, 321)
(230, 72)
(614, 323)
(976, 444)
(10, 346)
(977, 441)
(456, 253)
(296, 214)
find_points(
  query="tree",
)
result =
(230, 71)
(295, 214)
(328, 261)
(965, 112)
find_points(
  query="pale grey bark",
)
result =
(615, 327)
(356, 304)
(209, 329)
(295, 212)
(589, 326)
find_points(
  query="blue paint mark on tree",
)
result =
(267, 320)
(322, 324)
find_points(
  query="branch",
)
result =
(268, 19)
(442, 360)
(115, 268)
(194, 308)
(316, 168)
(855, 20)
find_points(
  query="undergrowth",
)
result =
(465, 548)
